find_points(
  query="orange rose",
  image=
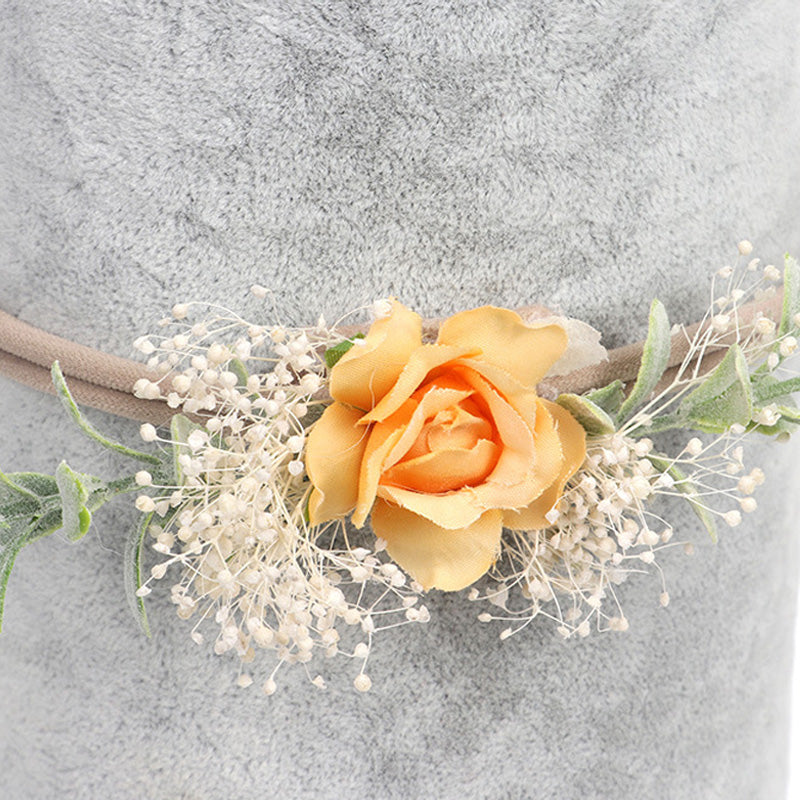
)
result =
(444, 444)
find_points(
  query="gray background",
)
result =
(587, 155)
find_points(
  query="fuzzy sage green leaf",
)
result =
(181, 428)
(724, 398)
(333, 354)
(688, 489)
(30, 508)
(791, 296)
(75, 517)
(594, 420)
(72, 409)
(132, 564)
(655, 359)
(610, 398)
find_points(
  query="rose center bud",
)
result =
(455, 448)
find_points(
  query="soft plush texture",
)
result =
(584, 155)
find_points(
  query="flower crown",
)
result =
(313, 485)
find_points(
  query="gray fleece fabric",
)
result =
(585, 155)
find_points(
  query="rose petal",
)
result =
(334, 453)
(573, 445)
(444, 470)
(422, 361)
(437, 397)
(369, 369)
(451, 510)
(382, 439)
(435, 557)
(460, 427)
(526, 351)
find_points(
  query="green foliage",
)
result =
(237, 367)
(791, 296)
(72, 409)
(132, 564)
(655, 359)
(180, 429)
(33, 505)
(610, 398)
(688, 489)
(592, 417)
(333, 354)
(723, 399)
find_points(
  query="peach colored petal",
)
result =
(461, 426)
(521, 398)
(383, 437)
(451, 510)
(526, 351)
(437, 398)
(334, 452)
(515, 434)
(435, 557)
(366, 372)
(573, 445)
(422, 361)
(444, 470)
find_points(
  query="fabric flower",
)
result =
(444, 444)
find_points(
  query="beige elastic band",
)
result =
(105, 382)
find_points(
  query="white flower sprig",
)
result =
(606, 525)
(235, 523)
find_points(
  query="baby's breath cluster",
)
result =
(607, 524)
(235, 524)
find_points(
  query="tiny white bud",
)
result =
(381, 308)
(788, 346)
(180, 310)
(181, 383)
(664, 599)
(694, 447)
(745, 247)
(295, 444)
(145, 504)
(269, 686)
(748, 504)
(732, 518)
(772, 273)
(362, 682)
(259, 291)
(143, 478)
(764, 326)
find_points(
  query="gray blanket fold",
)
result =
(584, 155)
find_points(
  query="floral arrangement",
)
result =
(315, 484)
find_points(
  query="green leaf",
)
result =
(768, 389)
(33, 505)
(688, 489)
(29, 510)
(333, 354)
(75, 517)
(593, 419)
(724, 398)
(610, 398)
(237, 367)
(132, 564)
(655, 359)
(72, 408)
(180, 429)
(791, 295)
